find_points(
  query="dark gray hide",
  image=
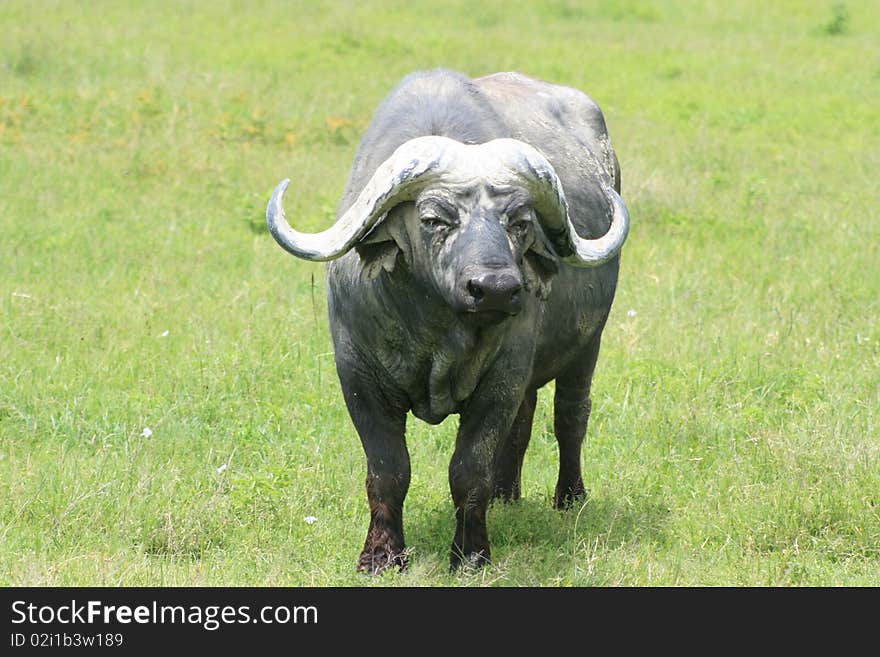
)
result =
(454, 303)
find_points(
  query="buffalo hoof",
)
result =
(567, 496)
(506, 494)
(381, 559)
(470, 562)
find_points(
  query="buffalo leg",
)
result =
(382, 433)
(509, 460)
(470, 482)
(471, 471)
(571, 413)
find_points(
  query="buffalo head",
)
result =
(479, 224)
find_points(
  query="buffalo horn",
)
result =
(399, 178)
(423, 160)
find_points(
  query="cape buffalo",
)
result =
(474, 260)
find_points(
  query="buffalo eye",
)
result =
(519, 221)
(437, 215)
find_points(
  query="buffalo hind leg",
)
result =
(382, 433)
(571, 413)
(509, 460)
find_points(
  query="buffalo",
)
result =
(474, 259)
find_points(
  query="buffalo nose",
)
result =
(499, 292)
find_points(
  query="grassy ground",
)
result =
(169, 410)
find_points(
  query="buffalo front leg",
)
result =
(509, 460)
(470, 481)
(471, 478)
(571, 413)
(382, 432)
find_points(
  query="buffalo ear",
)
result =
(377, 256)
(540, 268)
(380, 249)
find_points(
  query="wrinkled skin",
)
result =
(454, 306)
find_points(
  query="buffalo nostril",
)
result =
(496, 292)
(475, 289)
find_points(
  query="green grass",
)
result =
(734, 438)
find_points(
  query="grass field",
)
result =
(169, 409)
